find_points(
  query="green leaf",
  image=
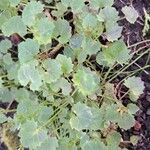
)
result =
(76, 41)
(27, 50)
(66, 64)
(76, 5)
(4, 4)
(14, 25)
(7, 59)
(53, 68)
(30, 12)
(61, 9)
(3, 118)
(115, 52)
(67, 144)
(98, 120)
(120, 115)
(86, 81)
(63, 30)
(48, 1)
(89, 21)
(43, 30)
(14, 3)
(4, 16)
(132, 108)
(90, 46)
(69, 52)
(89, 25)
(102, 3)
(109, 93)
(84, 116)
(28, 73)
(114, 33)
(1, 82)
(25, 110)
(93, 145)
(126, 122)
(63, 84)
(136, 87)
(45, 114)
(50, 144)
(13, 68)
(130, 13)
(134, 139)
(6, 95)
(5, 45)
(21, 94)
(110, 16)
(113, 140)
(30, 136)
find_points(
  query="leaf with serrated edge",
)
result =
(14, 25)
(30, 136)
(28, 73)
(30, 12)
(49, 144)
(136, 87)
(101, 3)
(3, 118)
(5, 45)
(27, 50)
(115, 52)
(66, 63)
(86, 81)
(43, 30)
(130, 13)
(14, 2)
(93, 145)
(53, 68)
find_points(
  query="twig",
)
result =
(44, 55)
(55, 50)
(9, 105)
(141, 42)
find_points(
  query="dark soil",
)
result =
(131, 35)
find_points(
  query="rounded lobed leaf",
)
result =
(27, 50)
(30, 12)
(86, 81)
(136, 87)
(130, 13)
(14, 25)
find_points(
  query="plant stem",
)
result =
(141, 42)
(123, 69)
(55, 114)
(107, 73)
(131, 75)
(50, 7)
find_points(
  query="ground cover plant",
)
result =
(64, 74)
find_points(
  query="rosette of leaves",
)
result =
(62, 103)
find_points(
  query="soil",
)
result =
(132, 33)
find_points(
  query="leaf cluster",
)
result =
(64, 101)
